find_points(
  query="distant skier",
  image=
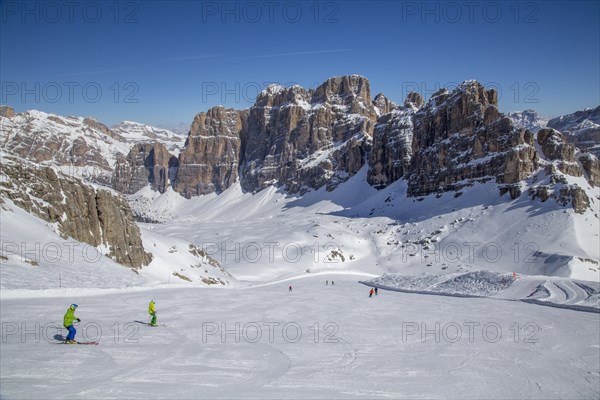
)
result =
(290, 288)
(332, 283)
(68, 323)
(152, 312)
(376, 293)
(326, 283)
(371, 292)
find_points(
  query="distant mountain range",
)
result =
(298, 141)
(582, 128)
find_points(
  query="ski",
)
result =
(85, 343)
(147, 323)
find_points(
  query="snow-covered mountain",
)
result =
(429, 169)
(582, 128)
(490, 227)
(82, 147)
(528, 119)
(135, 132)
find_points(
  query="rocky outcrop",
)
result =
(382, 104)
(556, 148)
(146, 164)
(461, 138)
(210, 159)
(591, 166)
(7, 112)
(575, 196)
(305, 139)
(392, 147)
(293, 137)
(566, 195)
(414, 100)
(308, 138)
(86, 214)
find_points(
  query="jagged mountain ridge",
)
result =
(89, 215)
(295, 140)
(83, 147)
(305, 139)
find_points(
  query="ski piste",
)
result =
(147, 323)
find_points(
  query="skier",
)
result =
(371, 292)
(376, 291)
(152, 312)
(326, 283)
(68, 323)
(332, 283)
(290, 289)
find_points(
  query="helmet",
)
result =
(74, 306)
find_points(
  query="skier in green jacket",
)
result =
(152, 312)
(68, 323)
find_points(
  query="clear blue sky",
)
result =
(177, 58)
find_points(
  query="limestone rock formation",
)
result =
(145, 164)
(308, 138)
(7, 112)
(383, 104)
(591, 166)
(86, 214)
(460, 138)
(392, 147)
(295, 137)
(555, 147)
(210, 159)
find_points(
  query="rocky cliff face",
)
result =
(291, 136)
(459, 138)
(555, 147)
(392, 145)
(145, 164)
(591, 166)
(305, 139)
(7, 112)
(95, 217)
(210, 159)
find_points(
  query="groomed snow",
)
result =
(319, 341)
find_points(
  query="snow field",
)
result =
(326, 342)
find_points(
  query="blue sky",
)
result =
(161, 62)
